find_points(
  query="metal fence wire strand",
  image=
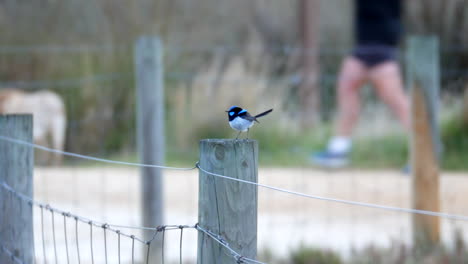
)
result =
(77, 240)
(197, 165)
(239, 258)
(10, 254)
(71, 154)
(342, 201)
(23, 198)
(133, 249)
(180, 246)
(53, 234)
(65, 232)
(148, 248)
(163, 238)
(222, 242)
(104, 227)
(91, 240)
(42, 232)
(118, 244)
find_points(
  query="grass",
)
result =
(280, 148)
(454, 135)
(387, 151)
(396, 253)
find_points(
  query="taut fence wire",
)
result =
(197, 165)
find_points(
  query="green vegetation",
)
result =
(387, 151)
(455, 144)
(280, 148)
(307, 255)
(283, 148)
(216, 61)
(397, 253)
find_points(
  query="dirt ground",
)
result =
(111, 195)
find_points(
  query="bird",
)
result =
(241, 120)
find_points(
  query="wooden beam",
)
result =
(150, 133)
(424, 81)
(227, 207)
(309, 90)
(16, 170)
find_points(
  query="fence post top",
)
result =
(228, 142)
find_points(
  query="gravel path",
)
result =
(111, 195)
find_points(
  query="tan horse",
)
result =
(48, 114)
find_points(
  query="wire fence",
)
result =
(189, 84)
(197, 165)
(112, 228)
(105, 228)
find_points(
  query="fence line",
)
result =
(85, 220)
(105, 226)
(343, 201)
(54, 49)
(239, 258)
(197, 165)
(66, 83)
(110, 47)
(71, 154)
(292, 79)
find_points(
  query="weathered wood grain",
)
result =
(227, 207)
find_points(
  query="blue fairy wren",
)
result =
(241, 120)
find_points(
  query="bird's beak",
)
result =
(226, 111)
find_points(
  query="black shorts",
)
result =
(372, 55)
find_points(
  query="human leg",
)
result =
(387, 81)
(353, 75)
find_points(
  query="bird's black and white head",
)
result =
(235, 111)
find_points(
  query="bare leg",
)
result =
(352, 76)
(387, 82)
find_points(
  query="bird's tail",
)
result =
(264, 113)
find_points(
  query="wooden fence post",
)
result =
(423, 80)
(16, 170)
(226, 207)
(150, 132)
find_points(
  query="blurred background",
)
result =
(216, 53)
(219, 53)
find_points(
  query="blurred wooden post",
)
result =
(309, 90)
(150, 133)
(16, 170)
(424, 81)
(225, 207)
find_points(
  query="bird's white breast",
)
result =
(240, 124)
